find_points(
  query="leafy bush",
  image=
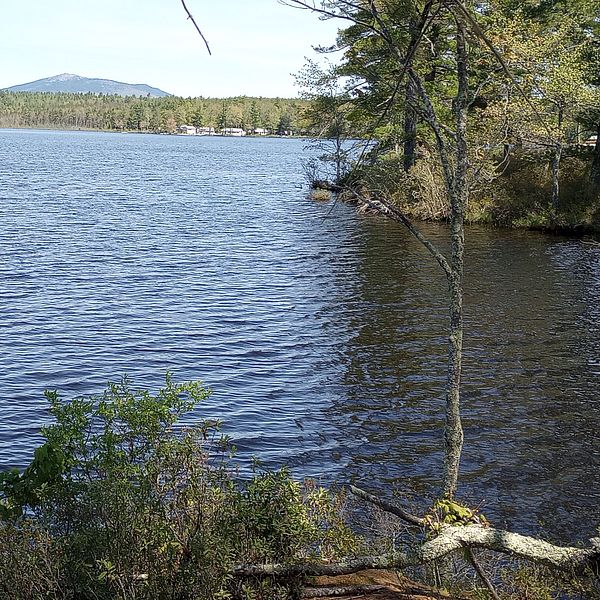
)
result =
(122, 502)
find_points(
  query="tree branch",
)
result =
(381, 206)
(386, 506)
(329, 14)
(189, 14)
(433, 122)
(482, 574)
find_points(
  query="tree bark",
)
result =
(556, 165)
(387, 507)
(595, 172)
(410, 95)
(555, 177)
(451, 539)
(410, 127)
(453, 432)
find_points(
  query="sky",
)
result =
(256, 44)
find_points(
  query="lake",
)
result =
(322, 333)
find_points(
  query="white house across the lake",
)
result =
(186, 130)
(235, 131)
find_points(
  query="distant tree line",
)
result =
(161, 115)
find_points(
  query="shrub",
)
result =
(122, 502)
(519, 196)
(320, 195)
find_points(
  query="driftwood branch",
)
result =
(191, 18)
(449, 540)
(386, 506)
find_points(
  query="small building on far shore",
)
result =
(205, 131)
(186, 130)
(260, 131)
(235, 131)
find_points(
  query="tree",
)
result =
(444, 93)
(223, 116)
(254, 115)
(548, 60)
(138, 117)
(402, 33)
(326, 117)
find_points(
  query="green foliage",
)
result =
(535, 582)
(122, 502)
(548, 104)
(327, 119)
(446, 512)
(519, 197)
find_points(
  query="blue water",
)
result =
(321, 332)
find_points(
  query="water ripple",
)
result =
(321, 333)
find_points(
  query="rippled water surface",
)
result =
(320, 332)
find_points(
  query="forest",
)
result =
(155, 115)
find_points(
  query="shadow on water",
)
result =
(530, 384)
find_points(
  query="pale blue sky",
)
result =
(256, 44)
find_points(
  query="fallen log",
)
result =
(450, 539)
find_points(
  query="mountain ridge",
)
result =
(76, 84)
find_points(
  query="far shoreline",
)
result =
(134, 132)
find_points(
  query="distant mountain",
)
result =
(75, 84)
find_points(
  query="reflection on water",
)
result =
(322, 333)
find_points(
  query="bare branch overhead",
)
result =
(191, 17)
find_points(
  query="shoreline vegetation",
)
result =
(122, 502)
(44, 110)
(509, 210)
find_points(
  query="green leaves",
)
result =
(446, 512)
(127, 503)
(19, 491)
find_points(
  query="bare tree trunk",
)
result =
(338, 158)
(410, 127)
(556, 165)
(410, 113)
(595, 172)
(555, 181)
(453, 432)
